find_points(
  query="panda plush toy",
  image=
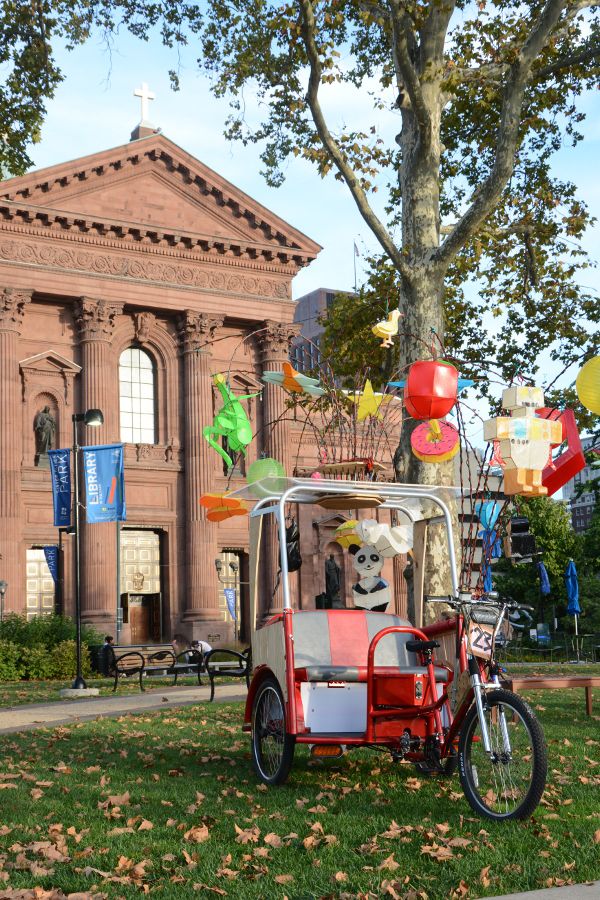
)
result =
(371, 591)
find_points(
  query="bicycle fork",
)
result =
(479, 693)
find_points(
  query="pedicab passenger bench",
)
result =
(330, 660)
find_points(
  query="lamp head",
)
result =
(93, 418)
(233, 566)
(218, 565)
(3, 586)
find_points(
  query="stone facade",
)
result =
(138, 247)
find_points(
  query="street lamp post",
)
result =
(92, 418)
(3, 586)
(234, 568)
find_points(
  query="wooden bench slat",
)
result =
(555, 682)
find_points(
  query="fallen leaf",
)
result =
(273, 840)
(247, 836)
(389, 864)
(283, 879)
(197, 834)
(145, 825)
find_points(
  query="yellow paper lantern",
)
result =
(588, 385)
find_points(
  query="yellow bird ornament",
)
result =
(387, 328)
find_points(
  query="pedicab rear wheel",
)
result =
(272, 746)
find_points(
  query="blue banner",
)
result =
(51, 554)
(103, 475)
(60, 474)
(230, 600)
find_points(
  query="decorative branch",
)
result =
(333, 148)
(490, 190)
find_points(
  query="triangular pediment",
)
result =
(50, 361)
(153, 182)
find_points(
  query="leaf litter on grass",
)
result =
(109, 777)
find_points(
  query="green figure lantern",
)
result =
(231, 422)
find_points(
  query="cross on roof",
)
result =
(145, 94)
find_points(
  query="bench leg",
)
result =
(175, 679)
(212, 688)
(199, 678)
(142, 688)
(116, 681)
(588, 701)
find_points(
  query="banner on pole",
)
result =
(51, 554)
(103, 474)
(60, 473)
(230, 601)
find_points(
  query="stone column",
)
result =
(196, 332)
(274, 343)
(12, 553)
(95, 320)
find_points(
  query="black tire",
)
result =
(272, 746)
(505, 785)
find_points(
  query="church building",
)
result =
(128, 278)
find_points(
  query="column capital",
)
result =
(197, 330)
(12, 308)
(275, 337)
(95, 319)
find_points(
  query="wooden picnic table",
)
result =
(519, 683)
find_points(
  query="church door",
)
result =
(40, 585)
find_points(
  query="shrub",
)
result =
(37, 663)
(44, 631)
(63, 661)
(11, 668)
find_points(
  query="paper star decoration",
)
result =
(294, 382)
(369, 402)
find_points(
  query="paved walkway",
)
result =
(48, 715)
(572, 892)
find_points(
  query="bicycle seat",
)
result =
(421, 646)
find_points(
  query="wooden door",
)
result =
(139, 619)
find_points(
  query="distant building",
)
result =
(305, 350)
(582, 507)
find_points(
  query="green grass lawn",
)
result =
(167, 803)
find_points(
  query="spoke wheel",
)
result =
(509, 782)
(272, 746)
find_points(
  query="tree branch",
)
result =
(567, 62)
(333, 148)
(401, 27)
(490, 190)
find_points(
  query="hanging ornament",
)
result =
(222, 506)
(387, 328)
(345, 534)
(435, 441)
(571, 461)
(525, 440)
(487, 511)
(587, 385)
(431, 389)
(231, 422)
(294, 382)
(370, 402)
(267, 470)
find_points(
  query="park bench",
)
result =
(230, 664)
(153, 660)
(526, 683)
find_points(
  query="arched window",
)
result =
(137, 379)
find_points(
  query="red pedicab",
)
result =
(347, 678)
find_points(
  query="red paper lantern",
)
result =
(431, 389)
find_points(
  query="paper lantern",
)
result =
(487, 512)
(222, 506)
(587, 385)
(294, 382)
(346, 535)
(431, 389)
(435, 441)
(263, 469)
(387, 328)
(524, 440)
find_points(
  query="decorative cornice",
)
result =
(143, 323)
(33, 220)
(197, 330)
(275, 338)
(193, 273)
(161, 156)
(95, 319)
(12, 309)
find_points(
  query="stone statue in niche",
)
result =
(44, 426)
(332, 582)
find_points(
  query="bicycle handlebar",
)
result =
(500, 602)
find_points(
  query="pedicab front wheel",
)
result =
(272, 746)
(508, 782)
